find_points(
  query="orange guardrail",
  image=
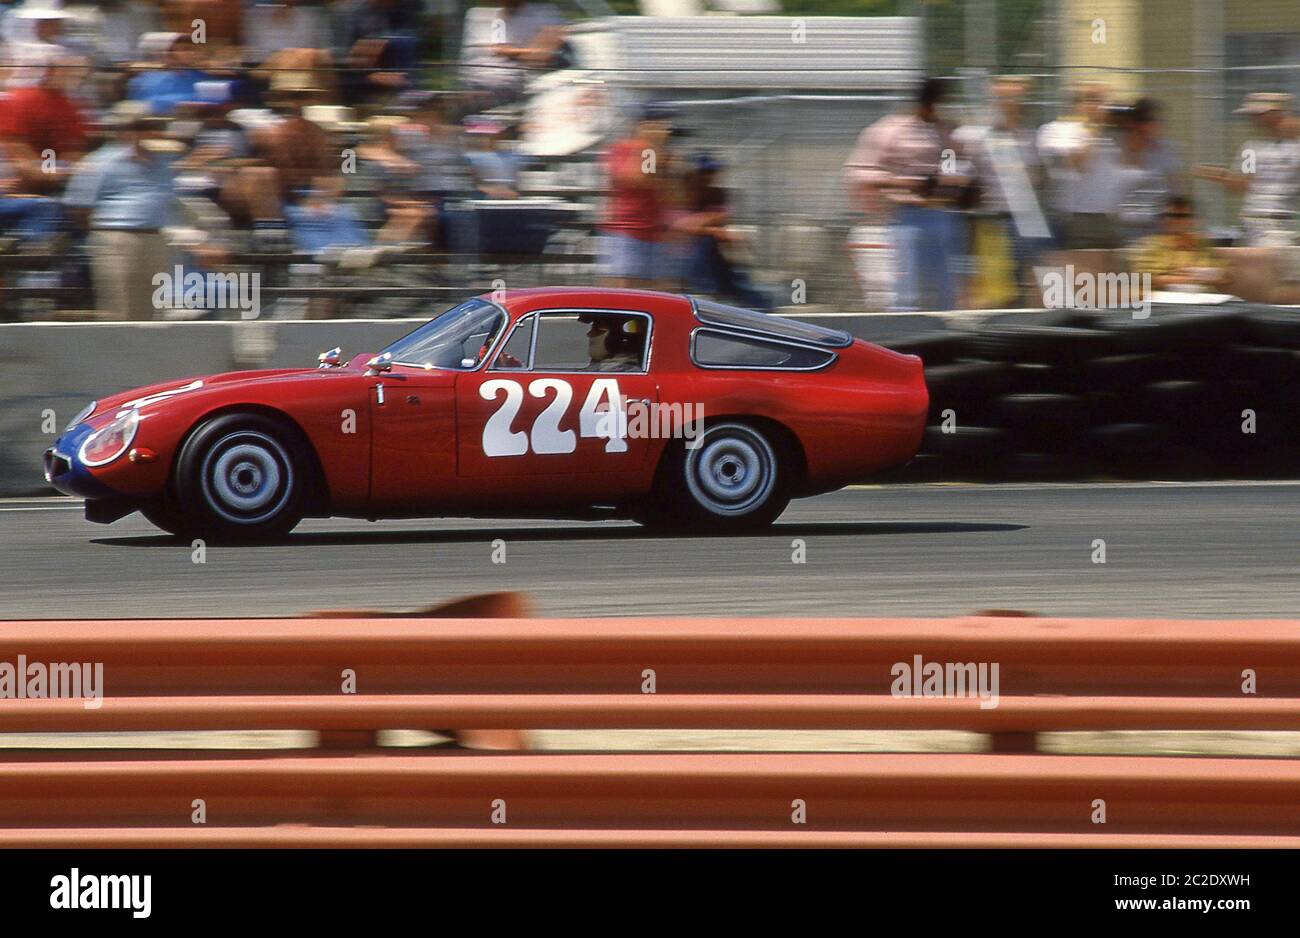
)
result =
(349, 676)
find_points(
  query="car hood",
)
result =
(152, 394)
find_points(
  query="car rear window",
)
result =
(729, 350)
(733, 317)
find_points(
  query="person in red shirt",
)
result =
(43, 130)
(43, 118)
(637, 166)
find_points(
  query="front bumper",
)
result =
(65, 471)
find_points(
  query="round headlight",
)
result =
(110, 442)
(81, 415)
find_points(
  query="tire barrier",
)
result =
(416, 673)
(1190, 392)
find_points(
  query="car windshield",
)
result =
(720, 314)
(456, 340)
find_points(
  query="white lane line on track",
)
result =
(45, 508)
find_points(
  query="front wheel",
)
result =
(163, 514)
(731, 480)
(242, 478)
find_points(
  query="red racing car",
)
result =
(561, 403)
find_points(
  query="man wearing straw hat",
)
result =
(32, 31)
(1269, 187)
(126, 193)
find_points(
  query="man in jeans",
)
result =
(911, 161)
(125, 191)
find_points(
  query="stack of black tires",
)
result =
(1186, 393)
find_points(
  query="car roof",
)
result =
(520, 301)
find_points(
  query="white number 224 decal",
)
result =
(547, 437)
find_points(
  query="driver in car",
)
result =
(614, 345)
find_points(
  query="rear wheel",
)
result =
(731, 480)
(243, 477)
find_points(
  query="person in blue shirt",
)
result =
(708, 269)
(322, 220)
(166, 88)
(126, 193)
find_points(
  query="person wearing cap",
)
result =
(1268, 205)
(708, 268)
(125, 193)
(613, 343)
(639, 170)
(297, 147)
(33, 46)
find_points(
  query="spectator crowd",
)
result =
(963, 213)
(138, 137)
(140, 134)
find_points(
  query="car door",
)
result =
(543, 408)
(412, 391)
(412, 445)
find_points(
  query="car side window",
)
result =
(724, 350)
(591, 341)
(516, 354)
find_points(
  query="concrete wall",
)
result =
(61, 367)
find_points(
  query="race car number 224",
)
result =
(608, 422)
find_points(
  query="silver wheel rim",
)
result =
(731, 472)
(247, 477)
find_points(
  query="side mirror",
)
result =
(468, 362)
(380, 363)
(331, 359)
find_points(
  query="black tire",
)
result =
(1050, 345)
(1271, 327)
(1128, 371)
(734, 479)
(962, 385)
(974, 444)
(243, 478)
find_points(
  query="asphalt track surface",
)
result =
(1176, 550)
